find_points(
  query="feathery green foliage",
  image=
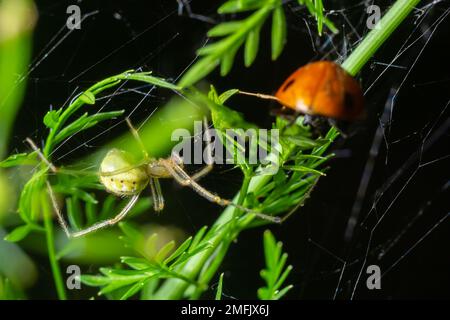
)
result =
(275, 273)
(234, 34)
(316, 9)
(146, 268)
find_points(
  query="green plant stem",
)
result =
(221, 251)
(48, 223)
(375, 38)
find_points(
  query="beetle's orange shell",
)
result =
(323, 88)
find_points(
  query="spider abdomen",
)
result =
(119, 176)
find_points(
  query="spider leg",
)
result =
(136, 135)
(158, 199)
(209, 158)
(60, 217)
(208, 155)
(41, 155)
(95, 226)
(50, 165)
(109, 222)
(202, 172)
(184, 179)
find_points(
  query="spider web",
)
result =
(378, 226)
(365, 240)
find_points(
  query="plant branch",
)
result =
(381, 32)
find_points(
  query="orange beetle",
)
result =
(321, 88)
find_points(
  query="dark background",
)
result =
(151, 35)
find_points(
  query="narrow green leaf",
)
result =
(18, 233)
(151, 246)
(148, 292)
(279, 31)
(304, 169)
(186, 255)
(134, 289)
(199, 70)
(74, 212)
(280, 265)
(227, 60)
(230, 7)
(106, 84)
(51, 118)
(213, 95)
(85, 122)
(91, 211)
(283, 277)
(219, 288)
(107, 207)
(226, 118)
(212, 48)
(304, 142)
(227, 95)
(225, 28)
(87, 97)
(130, 231)
(125, 275)
(165, 251)
(234, 6)
(146, 77)
(135, 239)
(281, 293)
(198, 238)
(314, 10)
(114, 285)
(251, 46)
(94, 281)
(76, 193)
(20, 159)
(269, 248)
(319, 15)
(181, 248)
(330, 25)
(135, 263)
(29, 201)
